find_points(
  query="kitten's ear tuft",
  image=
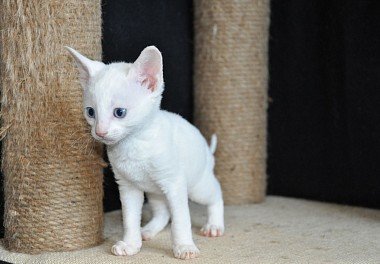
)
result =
(87, 68)
(148, 68)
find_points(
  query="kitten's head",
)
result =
(119, 98)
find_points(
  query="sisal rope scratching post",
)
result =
(52, 167)
(231, 91)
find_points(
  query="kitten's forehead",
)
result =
(112, 75)
(112, 86)
(108, 81)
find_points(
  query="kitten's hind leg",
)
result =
(208, 192)
(215, 223)
(160, 217)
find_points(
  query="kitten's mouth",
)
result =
(108, 141)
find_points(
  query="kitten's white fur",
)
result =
(150, 151)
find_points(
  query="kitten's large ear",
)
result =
(148, 68)
(87, 68)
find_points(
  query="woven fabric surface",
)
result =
(280, 230)
(230, 91)
(52, 167)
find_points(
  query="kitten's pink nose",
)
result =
(101, 134)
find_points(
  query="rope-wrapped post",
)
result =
(52, 168)
(230, 78)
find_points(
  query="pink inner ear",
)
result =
(149, 74)
(149, 81)
(149, 68)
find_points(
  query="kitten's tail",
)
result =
(213, 143)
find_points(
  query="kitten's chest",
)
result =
(133, 164)
(132, 169)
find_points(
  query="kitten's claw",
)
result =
(209, 230)
(185, 251)
(123, 249)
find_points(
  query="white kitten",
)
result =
(150, 151)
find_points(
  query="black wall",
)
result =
(130, 26)
(324, 115)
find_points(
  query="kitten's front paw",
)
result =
(123, 249)
(209, 230)
(185, 251)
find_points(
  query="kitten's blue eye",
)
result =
(119, 112)
(90, 112)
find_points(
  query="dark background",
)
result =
(324, 118)
(324, 107)
(129, 27)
